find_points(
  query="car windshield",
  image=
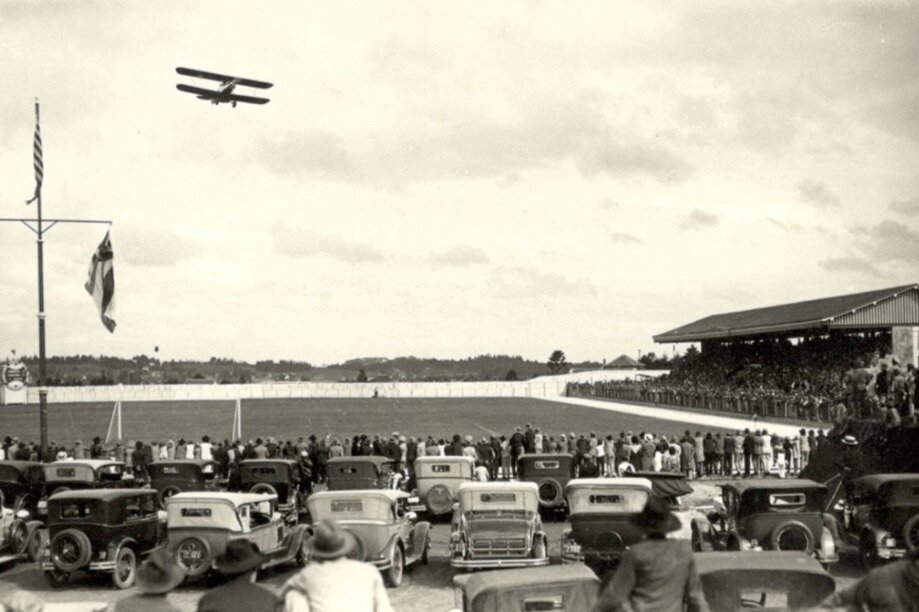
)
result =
(765, 588)
(607, 500)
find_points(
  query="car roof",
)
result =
(473, 584)
(182, 462)
(711, 562)
(536, 456)
(101, 494)
(288, 462)
(375, 459)
(234, 498)
(447, 459)
(21, 464)
(93, 463)
(389, 494)
(774, 484)
(499, 486)
(875, 481)
(603, 483)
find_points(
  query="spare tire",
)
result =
(439, 499)
(792, 535)
(166, 493)
(70, 550)
(911, 533)
(193, 555)
(263, 487)
(550, 492)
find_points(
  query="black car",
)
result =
(550, 472)
(100, 530)
(173, 476)
(22, 484)
(279, 477)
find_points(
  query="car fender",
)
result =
(296, 539)
(831, 524)
(419, 534)
(394, 540)
(702, 529)
(117, 543)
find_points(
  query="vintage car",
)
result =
(279, 477)
(387, 532)
(19, 537)
(763, 580)
(100, 530)
(364, 472)
(600, 513)
(83, 474)
(496, 525)
(438, 480)
(173, 476)
(22, 484)
(572, 588)
(881, 517)
(199, 525)
(550, 472)
(766, 514)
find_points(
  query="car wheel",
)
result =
(125, 568)
(792, 535)
(165, 494)
(426, 550)
(56, 578)
(550, 493)
(868, 552)
(911, 533)
(263, 487)
(539, 549)
(699, 543)
(439, 499)
(193, 555)
(393, 576)
(34, 545)
(70, 550)
(18, 537)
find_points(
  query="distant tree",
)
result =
(511, 375)
(557, 362)
(362, 376)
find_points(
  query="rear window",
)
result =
(440, 468)
(196, 512)
(262, 471)
(610, 498)
(546, 465)
(346, 505)
(169, 469)
(75, 510)
(544, 603)
(784, 500)
(497, 498)
(65, 472)
(347, 470)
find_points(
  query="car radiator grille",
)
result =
(499, 547)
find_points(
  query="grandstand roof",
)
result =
(869, 310)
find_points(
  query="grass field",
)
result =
(289, 418)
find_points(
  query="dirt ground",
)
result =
(424, 588)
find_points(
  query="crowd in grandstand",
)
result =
(818, 380)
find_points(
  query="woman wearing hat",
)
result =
(156, 576)
(657, 573)
(239, 563)
(332, 582)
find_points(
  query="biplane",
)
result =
(225, 94)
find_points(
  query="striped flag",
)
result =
(101, 282)
(37, 158)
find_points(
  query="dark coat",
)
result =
(239, 594)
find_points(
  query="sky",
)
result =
(445, 179)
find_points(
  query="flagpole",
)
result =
(42, 365)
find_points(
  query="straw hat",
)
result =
(850, 440)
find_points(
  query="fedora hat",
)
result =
(656, 517)
(331, 541)
(240, 556)
(159, 573)
(850, 440)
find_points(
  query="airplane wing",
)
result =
(201, 74)
(205, 93)
(249, 99)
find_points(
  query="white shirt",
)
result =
(190, 450)
(481, 473)
(206, 450)
(331, 586)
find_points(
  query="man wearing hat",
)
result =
(656, 573)
(850, 464)
(156, 576)
(239, 564)
(332, 582)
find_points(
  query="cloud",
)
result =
(151, 246)
(461, 256)
(848, 264)
(910, 208)
(608, 204)
(788, 227)
(698, 219)
(817, 194)
(889, 241)
(624, 238)
(529, 283)
(309, 151)
(306, 243)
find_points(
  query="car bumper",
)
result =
(891, 553)
(95, 566)
(496, 563)
(589, 557)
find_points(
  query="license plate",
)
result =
(191, 555)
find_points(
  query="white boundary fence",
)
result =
(544, 386)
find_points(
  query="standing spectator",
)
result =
(529, 438)
(507, 459)
(517, 448)
(139, 462)
(332, 582)
(646, 455)
(882, 383)
(609, 455)
(727, 467)
(805, 449)
(260, 450)
(719, 454)
(767, 453)
(239, 565)
(894, 586)
(708, 450)
(156, 577)
(758, 449)
(78, 451)
(699, 454)
(686, 456)
(738, 451)
(96, 451)
(537, 441)
(207, 449)
(749, 448)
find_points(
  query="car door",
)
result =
(264, 530)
